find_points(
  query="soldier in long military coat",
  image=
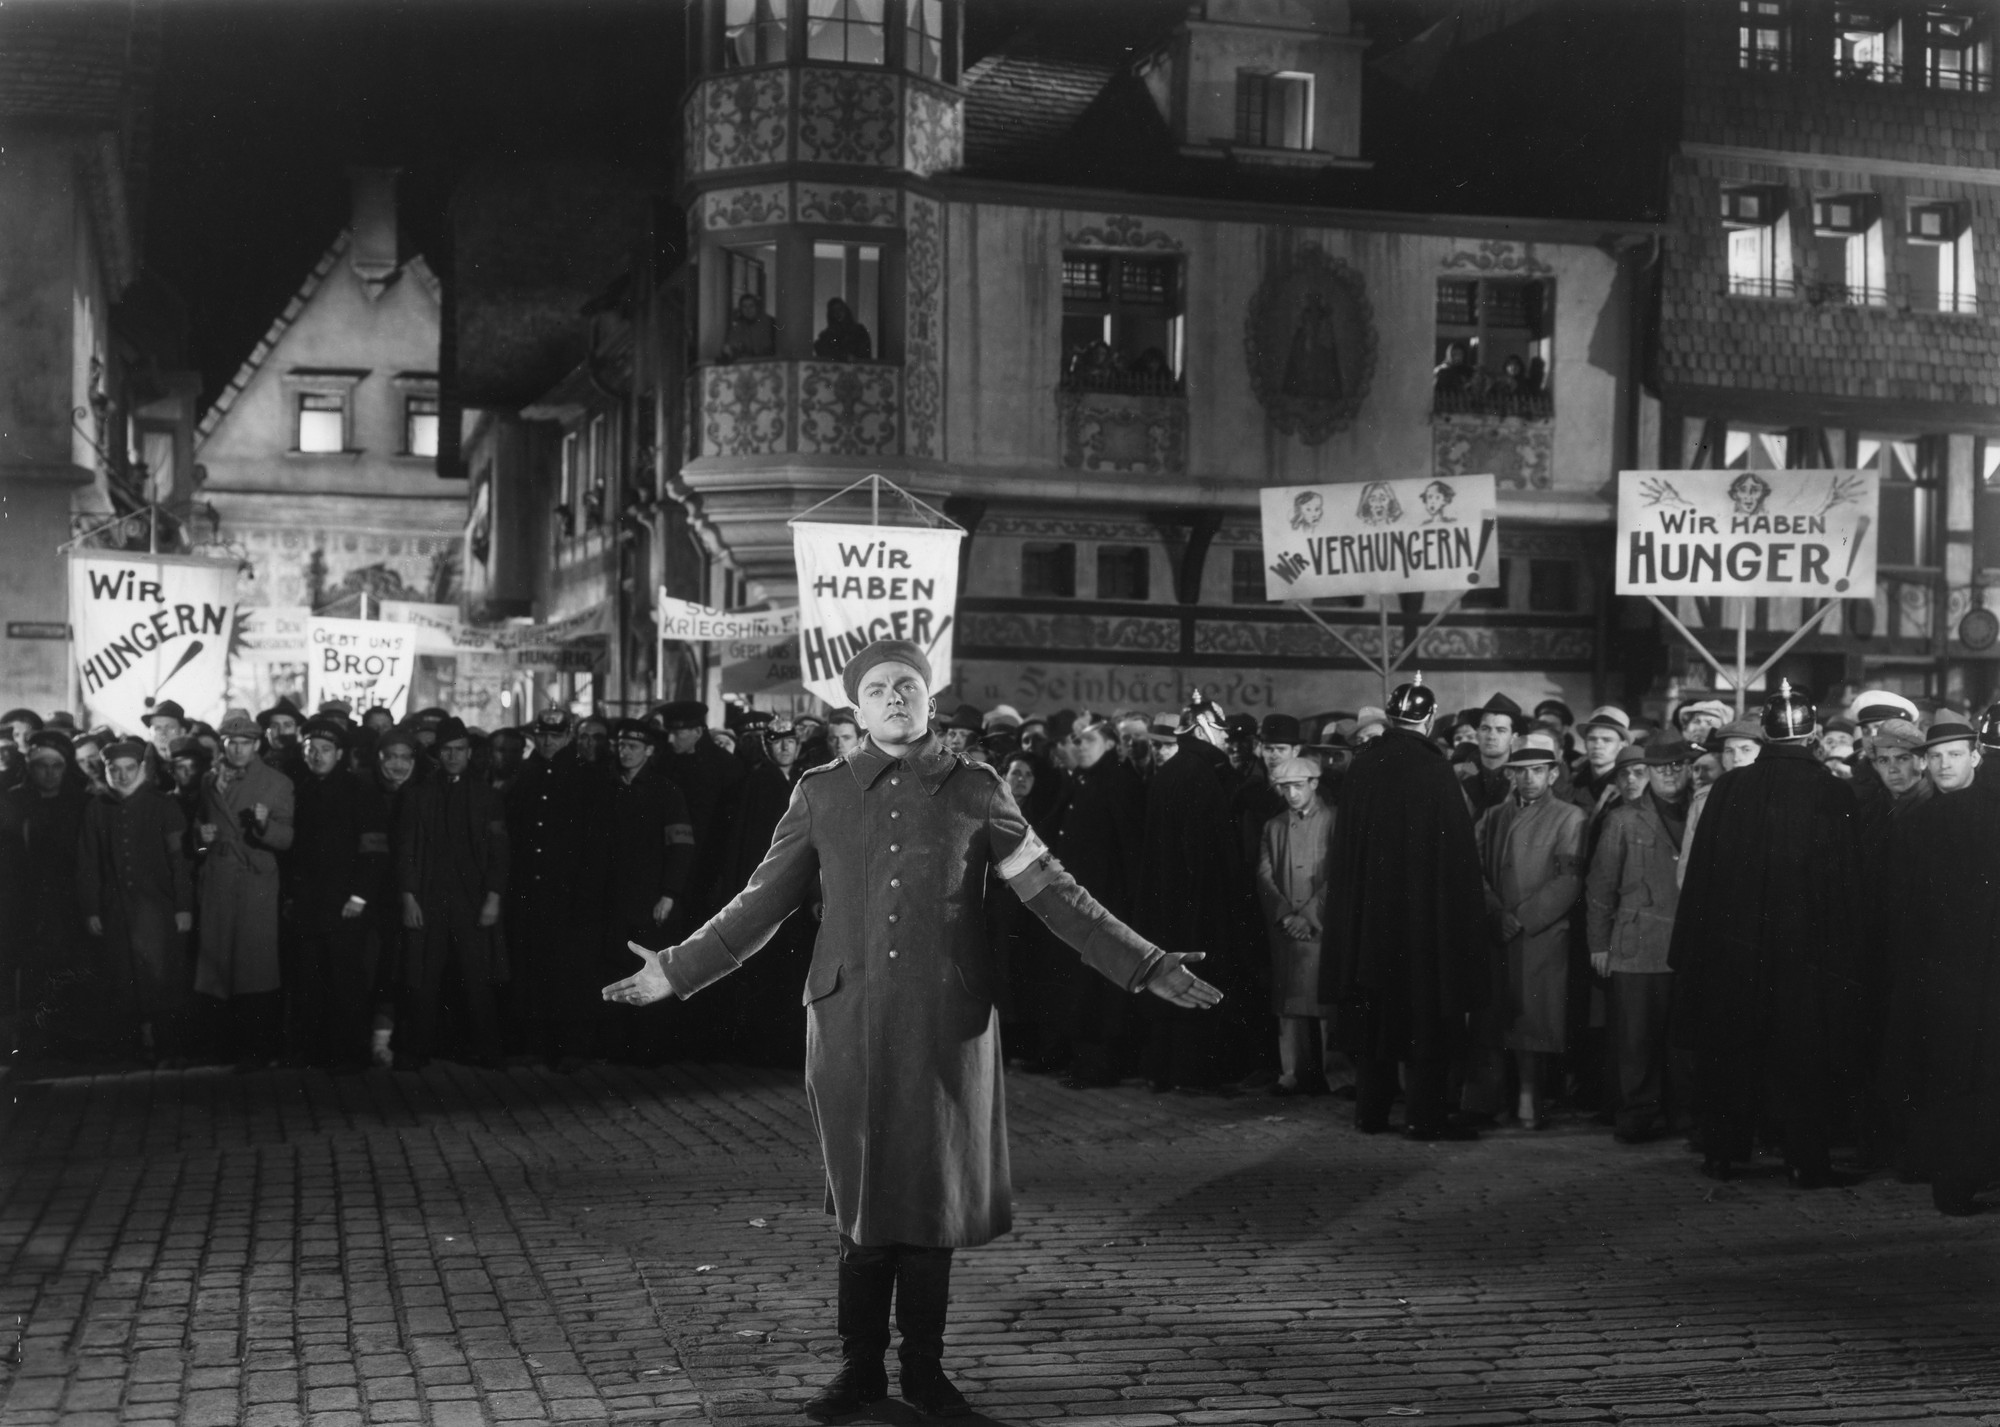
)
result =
(903, 1067)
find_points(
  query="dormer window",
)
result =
(1760, 241)
(1847, 234)
(1274, 110)
(1958, 50)
(1940, 259)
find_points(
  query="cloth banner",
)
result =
(860, 583)
(703, 624)
(364, 661)
(542, 646)
(755, 667)
(1798, 533)
(149, 628)
(1380, 537)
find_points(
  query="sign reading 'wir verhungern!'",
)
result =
(1379, 537)
(1748, 533)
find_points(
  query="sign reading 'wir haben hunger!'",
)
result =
(1748, 533)
(861, 583)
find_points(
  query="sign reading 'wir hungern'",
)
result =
(1379, 537)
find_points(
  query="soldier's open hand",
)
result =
(1177, 986)
(644, 986)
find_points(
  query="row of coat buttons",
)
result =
(894, 881)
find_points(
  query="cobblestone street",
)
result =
(463, 1248)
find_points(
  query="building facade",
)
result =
(1829, 300)
(321, 455)
(1092, 294)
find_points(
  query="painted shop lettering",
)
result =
(1651, 561)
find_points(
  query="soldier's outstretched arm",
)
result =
(1106, 944)
(739, 930)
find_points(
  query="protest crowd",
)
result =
(1773, 932)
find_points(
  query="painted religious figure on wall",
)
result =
(1309, 341)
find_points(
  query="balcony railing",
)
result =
(1489, 401)
(1868, 71)
(1740, 286)
(1840, 294)
(1126, 382)
(767, 408)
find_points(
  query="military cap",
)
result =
(780, 727)
(1280, 728)
(552, 720)
(429, 718)
(334, 730)
(166, 708)
(637, 728)
(882, 651)
(1875, 705)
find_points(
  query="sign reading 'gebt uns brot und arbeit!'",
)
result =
(1747, 533)
(363, 662)
(1379, 537)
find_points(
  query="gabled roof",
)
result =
(416, 267)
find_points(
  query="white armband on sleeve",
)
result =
(1028, 868)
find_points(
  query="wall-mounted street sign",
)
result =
(1805, 534)
(37, 629)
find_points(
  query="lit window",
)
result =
(847, 301)
(1940, 254)
(1048, 570)
(753, 32)
(1746, 450)
(1121, 326)
(1847, 237)
(1763, 35)
(1867, 45)
(322, 422)
(1274, 111)
(1958, 50)
(1909, 500)
(1493, 347)
(1760, 242)
(420, 425)
(923, 38)
(850, 31)
(1124, 572)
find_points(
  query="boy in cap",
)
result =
(903, 1067)
(1291, 886)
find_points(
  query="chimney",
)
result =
(372, 248)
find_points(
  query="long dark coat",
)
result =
(903, 1069)
(1767, 934)
(1102, 836)
(240, 881)
(1407, 949)
(550, 927)
(133, 874)
(1199, 892)
(710, 780)
(1943, 1055)
(451, 852)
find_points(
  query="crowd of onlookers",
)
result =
(337, 891)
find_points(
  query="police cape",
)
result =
(1767, 938)
(1407, 949)
(1942, 1062)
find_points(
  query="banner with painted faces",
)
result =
(1380, 537)
(149, 629)
(1809, 534)
(861, 583)
(362, 661)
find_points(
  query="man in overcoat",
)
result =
(1634, 889)
(1531, 851)
(135, 881)
(903, 1068)
(451, 864)
(1405, 957)
(1291, 886)
(338, 867)
(553, 934)
(246, 812)
(1765, 949)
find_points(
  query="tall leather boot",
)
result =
(923, 1294)
(867, 1285)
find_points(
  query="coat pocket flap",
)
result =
(822, 979)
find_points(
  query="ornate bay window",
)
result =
(920, 37)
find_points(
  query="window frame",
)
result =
(1529, 405)
(1117, 302)
(1975, 79)
(1138, 558)
(1759, 17)
(1776, 274)
(840, 20)
(1863, 251)
(720, 50)
(1256, 90)
(1883, 20)
(1063, 551)
(1955, 254)
(321, 384)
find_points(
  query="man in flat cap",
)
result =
(137, 887)
(246, 823)
(451, 867)
(903, 1068)
(1291, 885)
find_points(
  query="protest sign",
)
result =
(703, 624)
(151, 628)
(363, 661)
(1379, 537)
(1748, 533)
(761, 668)
(860, 583)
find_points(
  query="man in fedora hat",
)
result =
(1531, 851)
(903, 1068)
(1487, 781)
(246, 822)
(281, 724)
(165, 722)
